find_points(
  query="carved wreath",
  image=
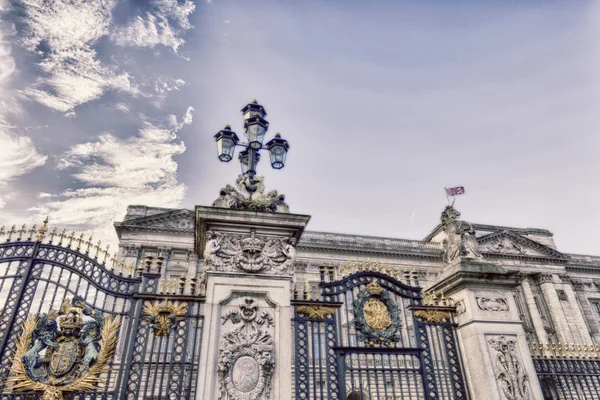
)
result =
(390, 332)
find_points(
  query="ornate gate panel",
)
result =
(72, 327)
(370, 336)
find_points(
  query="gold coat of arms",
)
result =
(65, 350)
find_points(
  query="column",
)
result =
(536, 318)
(555, 308)
(584, 333)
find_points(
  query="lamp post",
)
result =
(255, 129)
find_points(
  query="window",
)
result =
(596, 308)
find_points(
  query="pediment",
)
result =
(506, 243)
(175, 220)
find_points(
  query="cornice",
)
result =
(495, 228)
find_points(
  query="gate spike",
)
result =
(32, 232)
(52, 235)
(79, 241)
(89, 245)
(105, 254)
(61, 236)
(97, 248)
(21, 232)
(11, 233)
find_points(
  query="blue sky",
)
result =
(115, 102)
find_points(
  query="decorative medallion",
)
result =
(246, 362)
(316, 312)
(491, 304)
(377, 318)
(78, 345)
(163, 317)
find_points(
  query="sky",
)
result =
(109, 103)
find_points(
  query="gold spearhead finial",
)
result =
(42, 231)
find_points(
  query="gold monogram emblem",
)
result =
(376, 315)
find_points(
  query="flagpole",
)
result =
(446, 193)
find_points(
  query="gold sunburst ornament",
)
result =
(76, 355)
(163, 317)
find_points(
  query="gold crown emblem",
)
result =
(374, 288)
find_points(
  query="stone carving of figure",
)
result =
(470, 243)
(288, 247)
(213, 245)
(460, 238)
(453, 241)
(42, 337)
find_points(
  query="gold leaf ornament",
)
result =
(316, 312)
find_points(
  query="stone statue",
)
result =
(288, 249)
(460, 238)
(249, 195)
(469, 242)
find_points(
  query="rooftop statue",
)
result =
(460, 238)
(249, 195)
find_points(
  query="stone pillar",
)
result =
(582, 328)
(248, 259)
(555, 308)
(490, 331)
(536, 318)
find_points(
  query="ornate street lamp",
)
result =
(255, 129)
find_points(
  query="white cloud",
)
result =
(62, 32)
(18, 155)
(164, 24)
(116, 173)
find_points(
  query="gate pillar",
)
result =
(248, 263)
(493, 343)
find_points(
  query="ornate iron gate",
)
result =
(73, 328)
(368, 336)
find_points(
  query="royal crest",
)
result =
(377, 318)
(249, 253)
(64, 350)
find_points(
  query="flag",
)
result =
(455, 191)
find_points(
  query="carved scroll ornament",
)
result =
(250, 253)
(490, 304)
(246, 362)
(510, 373)
(77, 350)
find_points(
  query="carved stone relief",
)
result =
(510, 373)
(562, 296)
(490, 304)
(246, 363)
(460, 307)
(544, 278)
(249, 253)
(249, 194)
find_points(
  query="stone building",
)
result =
(237, 301)
(512, 281)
